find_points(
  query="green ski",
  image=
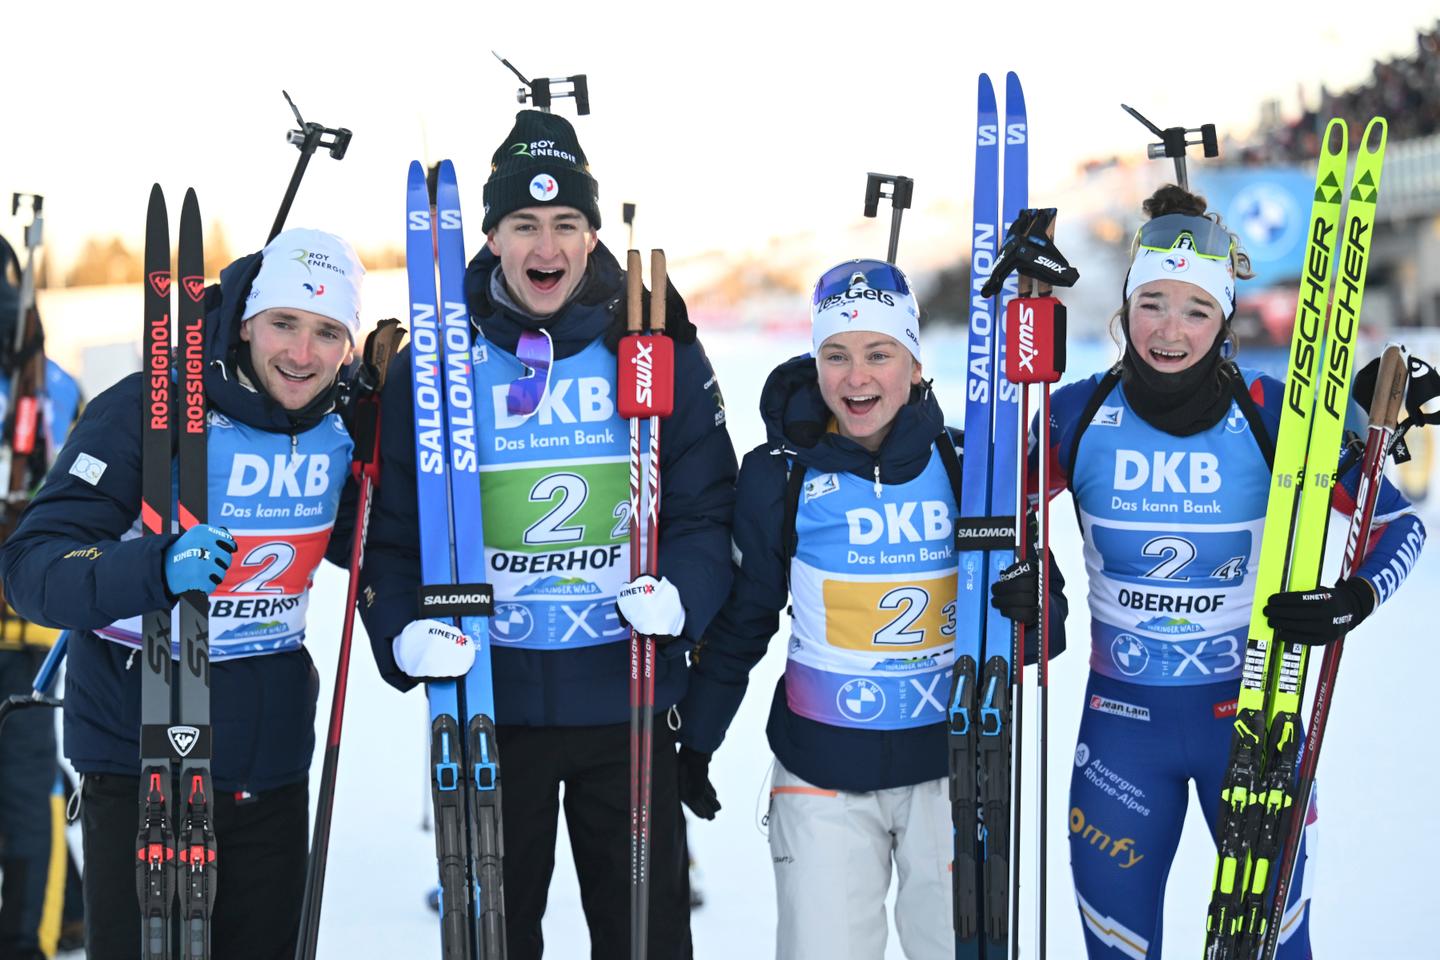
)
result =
(1259, 786)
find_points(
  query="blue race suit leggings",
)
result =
(1140, 746)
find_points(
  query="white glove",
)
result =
(429, 648)
(652, 607)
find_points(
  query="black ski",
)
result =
(175, 723)
(190, 734)
(155, 870)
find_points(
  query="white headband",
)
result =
(876, 311)
(1208, 273)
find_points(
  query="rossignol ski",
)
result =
(176, 851)
(1258, 791)
(380, 347)
(986, 643)
(464, 761)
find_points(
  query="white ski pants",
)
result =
(832, 853)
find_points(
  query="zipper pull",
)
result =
(294, 444)
(877, 479)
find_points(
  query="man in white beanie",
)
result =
(280, 325)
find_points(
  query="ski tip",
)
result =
(986, 100)
(447, 169)
(1014, 94)
(1336, 135)
(191, 207)
(417, 172)
(1377, 131)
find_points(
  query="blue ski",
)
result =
(986, 644)
(464, 762)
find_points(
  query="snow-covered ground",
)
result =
(1378, 777)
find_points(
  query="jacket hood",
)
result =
(796, 420)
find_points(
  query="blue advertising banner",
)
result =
(1268, 208)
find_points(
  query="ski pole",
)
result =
(1035, 354)
(380, 347)
(308, 139)
(645, 389)
(42, 685)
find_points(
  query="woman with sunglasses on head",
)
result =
(1168, 456)
(847, 513)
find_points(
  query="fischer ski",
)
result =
(176, 850)
(1385, 410)
(465, 774)
(1258, 791)
(986, 643)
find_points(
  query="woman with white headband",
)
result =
(848, 513)
(1168, 456)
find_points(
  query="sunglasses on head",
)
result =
(876, 274)
(1200, 235)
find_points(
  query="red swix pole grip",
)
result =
(646, 374)
(1036, 325)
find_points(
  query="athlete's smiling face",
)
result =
(1173, 324)
(296, 354)
(543, 252)
(865, 378)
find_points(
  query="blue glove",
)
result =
(198, 559)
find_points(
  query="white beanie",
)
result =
(859, 307)
(310, 270)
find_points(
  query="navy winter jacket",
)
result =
(66, 566)
(833, 757)
(587, 685)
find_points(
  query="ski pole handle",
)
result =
(657, 291)
(633, 291)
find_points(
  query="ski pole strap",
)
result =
(441, 600)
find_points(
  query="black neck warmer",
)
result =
(302, 419)
(1184, 403)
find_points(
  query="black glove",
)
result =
(1320, 616)
(1016, 593)
(696, 790)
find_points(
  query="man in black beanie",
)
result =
(546, 300)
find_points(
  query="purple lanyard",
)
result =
(535, 351)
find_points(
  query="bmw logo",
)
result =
(1129, 654)
(512, 623)
(860, 699)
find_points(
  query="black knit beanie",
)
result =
(539, 164)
